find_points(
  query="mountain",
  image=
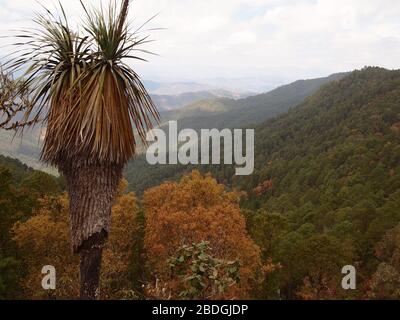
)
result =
(171, 102)
(230, 113)
(344, 131)
(223, 113)
(25, 148)
(326, 185)
(285, 131)
(256, 84)
(325, 192)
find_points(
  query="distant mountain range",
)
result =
(229, 113)
(175, 95)
(173, 102)
(178, 88)
(239, 85)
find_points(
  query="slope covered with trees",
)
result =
(20, 190)
(326, 187)
(222, 113)
(326, 184)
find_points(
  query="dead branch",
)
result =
(14, 100)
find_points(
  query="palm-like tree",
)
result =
(93, 105)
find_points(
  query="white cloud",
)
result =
(250, 38)
(245, 37)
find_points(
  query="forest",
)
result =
(325, 194)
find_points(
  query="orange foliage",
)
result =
(195, 209)
(324, 289)
(263, 187)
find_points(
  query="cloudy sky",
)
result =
(279, 40)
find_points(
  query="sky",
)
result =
(274, 41)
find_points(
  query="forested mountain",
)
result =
(326, 188)
(329, 171)
(223, 113)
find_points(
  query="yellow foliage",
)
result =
(44, 240)
(195, 209)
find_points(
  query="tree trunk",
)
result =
(90, 266)
(92, 189)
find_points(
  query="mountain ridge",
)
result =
(228, 113)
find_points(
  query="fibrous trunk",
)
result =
(92, 189)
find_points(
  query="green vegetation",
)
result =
(222, 113)
(334, 166)
(203, 275)
(20, 190)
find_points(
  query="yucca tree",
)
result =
(94, 107)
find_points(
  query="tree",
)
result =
(44, 240)
(193, 210)
(90, 101)
(14, 100)
(202, 276)
(16, 204)
(8, 276)
(312, 264)
(385, 282)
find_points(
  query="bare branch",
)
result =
(14, 102)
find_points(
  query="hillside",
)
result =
(21, 187)
(344, 139)
(328, 175)
(326, 188)
(223, 113)
(25, 148)
(342, 125)
(230, 113)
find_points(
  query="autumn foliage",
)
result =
(385, 282)
(263, 187)
(44, 240)
(192, 210)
